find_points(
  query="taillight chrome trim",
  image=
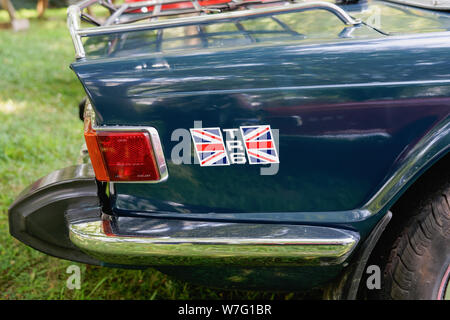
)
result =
(155, 142)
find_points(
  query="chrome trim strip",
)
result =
(270, 247)
(74, 13)
(154, 139)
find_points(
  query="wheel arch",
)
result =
(424, 183)
(349, 285)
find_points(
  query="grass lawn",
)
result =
(40, 132)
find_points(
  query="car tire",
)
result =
(416, 266)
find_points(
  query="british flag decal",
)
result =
(259, 144)
(209, 146)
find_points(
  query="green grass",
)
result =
(40, 132)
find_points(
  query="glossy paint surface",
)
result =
(351, 107)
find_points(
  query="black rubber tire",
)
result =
(414, 265)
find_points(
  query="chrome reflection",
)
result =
(200, 243)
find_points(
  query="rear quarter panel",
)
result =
(356, 120)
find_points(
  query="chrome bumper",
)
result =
(65, 205)
(200, 243)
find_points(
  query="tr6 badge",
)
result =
(254, 141)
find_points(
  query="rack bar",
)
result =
(74, 14)
(115, 15)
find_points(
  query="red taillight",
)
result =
(122, 155)
(128, 156)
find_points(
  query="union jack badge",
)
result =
(259, 144)
(209, 146)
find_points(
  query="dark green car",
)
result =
(259, 144)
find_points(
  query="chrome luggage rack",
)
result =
(123, 17)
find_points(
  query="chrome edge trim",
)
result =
(74, 13)
(273, 250)
(154, 139)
